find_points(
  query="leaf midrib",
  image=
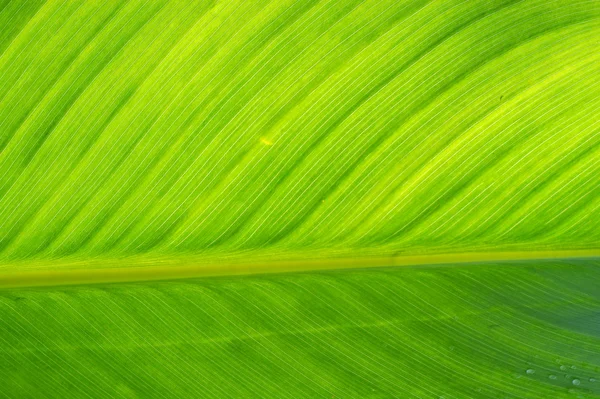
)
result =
(126, 271)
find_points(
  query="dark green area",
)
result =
(454, 331)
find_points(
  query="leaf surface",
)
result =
(177, 139)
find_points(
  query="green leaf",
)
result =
(173, 140)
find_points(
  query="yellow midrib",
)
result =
(82, 276)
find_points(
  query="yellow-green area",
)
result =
(206, 129)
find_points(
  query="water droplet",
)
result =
(563, 367)
(573, 367)
(552, 376)
(530, 371)
(592, 379)
(576, 381)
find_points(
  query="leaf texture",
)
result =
(169, 139)
(204, 128)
